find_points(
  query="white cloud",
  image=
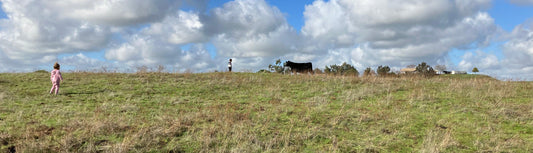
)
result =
(161, 44)
(396, 33)
(518, 52)
(481, 60)
(326, 23)
(144, 50)
(180, 28)
(34, 34)
(246, 30)
(80, 62)
(251, 28)
(114, 12)
(517, 59)
(519, 48)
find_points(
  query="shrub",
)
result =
(278, 67)
(384, 71)
(369, 72)
(425, 70)
(318, 71)
(344, 69)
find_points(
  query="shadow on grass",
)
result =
(83, 92)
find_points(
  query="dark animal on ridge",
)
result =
(300, 67)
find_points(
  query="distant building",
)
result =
(458, 72)
(407, 70)
(413, 70)
(454, 72)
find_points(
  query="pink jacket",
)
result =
(55, 76)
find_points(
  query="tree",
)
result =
(475, 70)
(318, 71)
(344, 69)
(348, 69)
(383, 70)
(331, 69)
(278, 67)
(440, 68)
(369, 72)
(425, 70)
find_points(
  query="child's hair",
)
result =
(56, 66)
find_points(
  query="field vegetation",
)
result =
(264, 112)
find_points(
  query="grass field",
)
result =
(254, 112)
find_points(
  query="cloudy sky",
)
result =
(496, 36)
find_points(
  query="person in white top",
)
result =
(229, 65)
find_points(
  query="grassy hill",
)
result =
(251, 112)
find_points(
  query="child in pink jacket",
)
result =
(56, 78)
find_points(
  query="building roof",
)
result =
(408, 70)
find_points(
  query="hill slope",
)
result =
(247, 112)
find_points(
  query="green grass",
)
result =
(251, 112)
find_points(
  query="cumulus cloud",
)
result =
(161, 44)
(396, 33)
(180, 28)
(144, 50)
(115, 12)
(246, 30)
(519, 49)
(517, 59)
(36, 32)
(251, 28)
(32, 31)
(518, 52)
(479, 59)
(80, 62)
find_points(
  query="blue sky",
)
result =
(201, 36)
(509, 15)
(293, 10)
(2, 13)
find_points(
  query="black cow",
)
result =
(299, 67)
